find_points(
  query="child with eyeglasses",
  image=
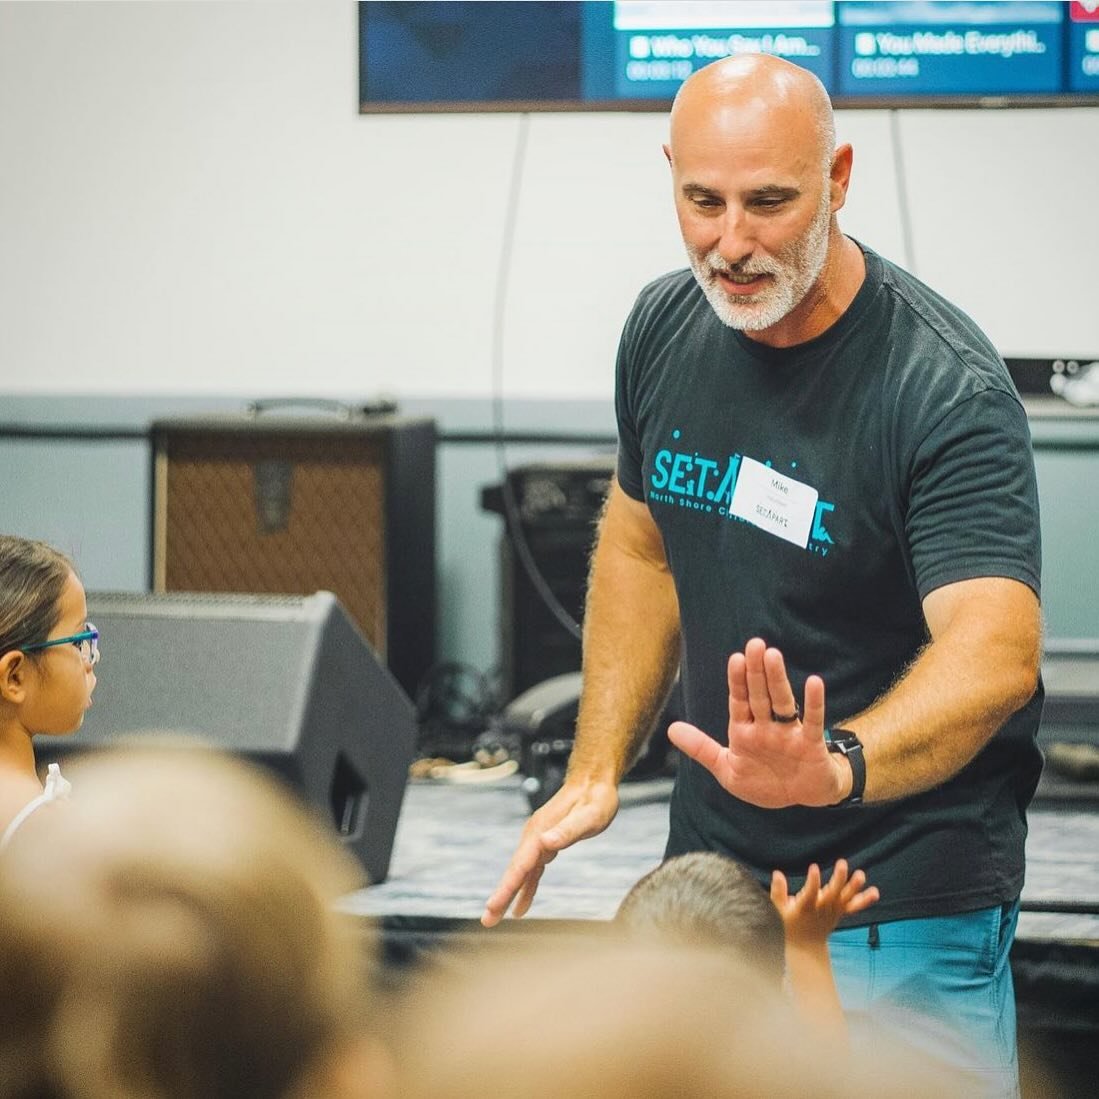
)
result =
(48, 650)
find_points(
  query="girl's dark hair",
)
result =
(32, 576)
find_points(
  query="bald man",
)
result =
(825, 519)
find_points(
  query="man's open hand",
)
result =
(775, 753)
(576, 812)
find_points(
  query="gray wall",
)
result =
(191, 205)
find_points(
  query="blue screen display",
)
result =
(968, 48)
(658, 45)
(1083, 48)
(635, 54)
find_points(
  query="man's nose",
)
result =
(736, 243)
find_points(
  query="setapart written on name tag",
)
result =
(774, 502)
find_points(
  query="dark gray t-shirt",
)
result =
(902, 455)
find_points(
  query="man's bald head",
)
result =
(758, 181)
(792, 98)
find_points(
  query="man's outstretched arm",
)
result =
(631, 651)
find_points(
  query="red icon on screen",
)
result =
(1084, 11)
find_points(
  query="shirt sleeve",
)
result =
(629, 471)
(973, 497)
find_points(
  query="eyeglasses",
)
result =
(87, 641)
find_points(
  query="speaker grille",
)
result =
(278, 514)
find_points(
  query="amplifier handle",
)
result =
(321, 404)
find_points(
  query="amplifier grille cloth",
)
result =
(331, 534)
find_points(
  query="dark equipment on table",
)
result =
(538, 728)
(1069, 729)
(553, 507)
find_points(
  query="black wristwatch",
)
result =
(845, 741)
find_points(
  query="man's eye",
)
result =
(770, 202)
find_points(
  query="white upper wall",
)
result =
(190, 203)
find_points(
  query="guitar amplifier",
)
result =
(292, 505)
(557, 506)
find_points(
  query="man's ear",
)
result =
(840, 175)
(13, 676)
(667, 153)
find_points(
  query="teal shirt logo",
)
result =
(692, 480)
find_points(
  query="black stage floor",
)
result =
(453, 842)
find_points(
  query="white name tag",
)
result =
(774, 502)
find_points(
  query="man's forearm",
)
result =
(953, 698)
(631, 652)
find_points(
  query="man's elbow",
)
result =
(1021, 678)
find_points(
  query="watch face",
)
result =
(842, 741)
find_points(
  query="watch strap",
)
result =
(848, 744)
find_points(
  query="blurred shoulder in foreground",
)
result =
(172, 931)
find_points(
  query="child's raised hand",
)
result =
(812, 914)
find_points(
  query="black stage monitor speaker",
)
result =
(285, 681)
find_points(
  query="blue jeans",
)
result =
(945, 981)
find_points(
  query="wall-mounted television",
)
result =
(634, 55)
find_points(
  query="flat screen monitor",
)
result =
(634, 55)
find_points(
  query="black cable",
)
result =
(904, 211)
(512, 518)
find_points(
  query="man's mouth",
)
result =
(738, 283)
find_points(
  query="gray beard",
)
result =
(793, 272)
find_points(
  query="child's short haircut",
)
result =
(707, 898)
